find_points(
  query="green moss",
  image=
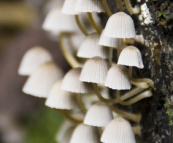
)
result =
(42, 126)
(160, 14)
(169, 112)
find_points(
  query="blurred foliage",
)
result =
(43, 125)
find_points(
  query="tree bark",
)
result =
(157, 111)
(157, 52)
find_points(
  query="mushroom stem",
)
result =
(137, 130)
(131, 10)
(80, 25)
(110, 56)
(67, 54)
(139, 97)
(68, 117)
(72, 45)
(97, 92)
(97, 28)
(127, 95)
(81, 104)
(131, 93)
(133, 117)
(142, 85)
(106, 7)
(146, 80)
(130, 72)
(120, 5)
(119, 47)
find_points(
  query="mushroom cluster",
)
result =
(82, 94)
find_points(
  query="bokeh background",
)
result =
(23, 118)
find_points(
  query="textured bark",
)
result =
(157, 111)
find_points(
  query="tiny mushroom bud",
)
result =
(33, 58)
(131, 56)
(42, 79)
(94, 70)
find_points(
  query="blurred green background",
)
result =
(23, 118)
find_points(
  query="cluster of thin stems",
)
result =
(142, 87)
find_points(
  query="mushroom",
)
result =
(42, 79)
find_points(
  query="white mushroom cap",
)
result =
(56, 22)
(69, 6)
(120, 25)
(42, 79)
(33, 58)
(89, 6)
(118, 78)
(72, 83)
(98, 115)
(118, 131)
(60, 99)
(89, 47)
(85, 134)
(94, 70)
(131, 56)
(108, 41)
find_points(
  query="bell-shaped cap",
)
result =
(61, 99)
(69, 7)
(85, 134)
(94, 70)
(98, 115)
(108, 41)
(120, 25)
(89, 47)
(72, 83)
(131, 56)
(118, 78)
(42, 79)
(118, 131)
(56, 22)
(33, 58)
(89, 6)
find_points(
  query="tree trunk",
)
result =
(157, 111)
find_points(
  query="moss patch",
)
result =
(42, 126)
(169, 112)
